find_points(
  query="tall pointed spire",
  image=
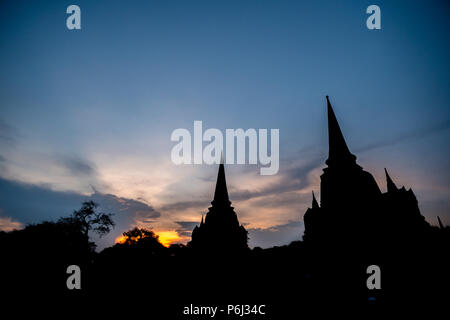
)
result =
(314, 202)
(338, 150)
(220, 229)
(221, 193)
(391, 187)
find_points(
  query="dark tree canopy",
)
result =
(88, 218)
(141, 237)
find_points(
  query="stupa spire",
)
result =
(338, 150)
(221, 192)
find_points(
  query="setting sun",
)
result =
(120, 239)
(168, 237)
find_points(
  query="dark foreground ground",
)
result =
(288, 281)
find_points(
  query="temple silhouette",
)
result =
(220, 231)
(353, 211)
(355, 225)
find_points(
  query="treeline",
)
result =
(35, 260)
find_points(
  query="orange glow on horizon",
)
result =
(120, 239)
(166, 238)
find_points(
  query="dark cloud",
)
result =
(183, 205)
(27, 203)
(31, 203)
(293, 178)
(186, 228)
(81, 170)
(77, 166)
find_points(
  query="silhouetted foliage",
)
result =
(141, 237)
(88, 218)
(43, 251)
(355, 225)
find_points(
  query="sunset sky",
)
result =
(88, 114)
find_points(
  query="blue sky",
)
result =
(89, 113)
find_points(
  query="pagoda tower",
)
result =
(353, 210)
(220, 230)
(350, 199)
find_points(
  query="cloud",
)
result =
(292, 200)
(128, 213)
(32, 203)
(271, 208)
(8, 134)
(77, 166)
(412, 135)
(294, 177)
(183, 205)
(186, 227)
(60, 172)
(7, 224)
(29, 203)
(8, 138)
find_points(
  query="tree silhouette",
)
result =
(141, 237)
(88, 218)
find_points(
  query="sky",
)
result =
(88, 114)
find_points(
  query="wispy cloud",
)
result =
(77, 166)
(407, 136)
(186, 228)
(183, 205)
(8, 224)
(8, 134)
